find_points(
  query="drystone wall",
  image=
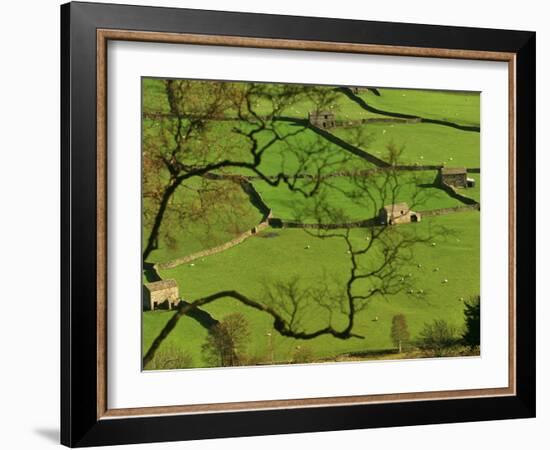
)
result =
(280, 223)
(455, 209)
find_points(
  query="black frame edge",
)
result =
(78, 219)
(526, 229)
(65, 435)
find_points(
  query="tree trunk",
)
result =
(152, 241)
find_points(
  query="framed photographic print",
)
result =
(277, 224)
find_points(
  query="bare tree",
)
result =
(377, 267)
(212, 127)
(438, 338)
(227, 340)
(399, 331)
(377, 254)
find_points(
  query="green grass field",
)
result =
(256, 262)
(462, 108)
(422, 143)
(416, 188)
(193, 232)
(279, 254)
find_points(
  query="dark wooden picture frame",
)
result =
(85, 417)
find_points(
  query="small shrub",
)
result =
(438, 338)
(399, 331)
(170, 357)
(472, 315)
(302, 355)
(226, 342)
(253, 360)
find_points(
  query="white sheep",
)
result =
(445, 280)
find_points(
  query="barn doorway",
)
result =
(414, 218)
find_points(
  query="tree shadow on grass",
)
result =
(201, 316)
(363, 104)
(150, 273)
(49, 434)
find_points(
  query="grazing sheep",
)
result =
(308, 247)
(436, 269)
(433, 244)
(421, 291)
(420, 266)
(411, 291)
(445, 280)
(192, 264)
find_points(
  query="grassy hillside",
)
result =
(188, 228)
(462, 108)
(204, 213)
(422, 143)
(416, 188)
